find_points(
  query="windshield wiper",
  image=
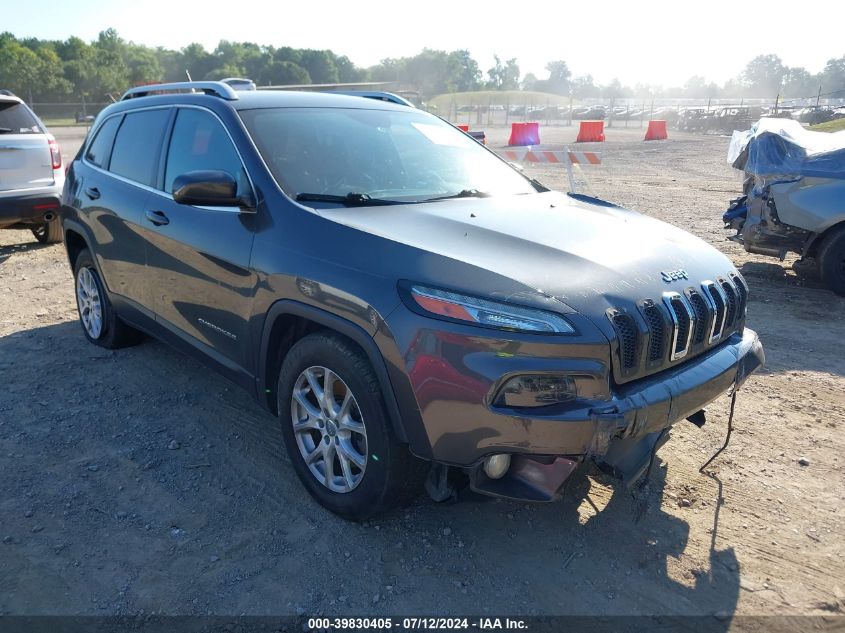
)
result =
(351, 199)
(465, 193)
(5, 130)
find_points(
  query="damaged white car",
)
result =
(793, 195)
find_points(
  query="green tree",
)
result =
(763, 76)
(798, 82)
(583, 87)
(559, 76)
(143, 65)
(504, 76)
(697, 87)
(462, 72)
(347, 72)
(195, 60)
(614, 90)
(283, 74)
(530, 82)
(320, 66)
(833, 77)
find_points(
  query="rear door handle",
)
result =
(92, 192)
(157, 217)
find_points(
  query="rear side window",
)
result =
(15, 118)
(200, 142)
(98, 151)
(137, 145)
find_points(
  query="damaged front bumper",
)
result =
(621, 434)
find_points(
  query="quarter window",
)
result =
(100, 147)
(199, 142)
(137, 145)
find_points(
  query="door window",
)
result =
(137, 145)
(200, 142)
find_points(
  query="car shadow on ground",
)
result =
(8, 250)
(796, 318)
(103, 424)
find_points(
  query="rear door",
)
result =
(198, 257)
(120, 168)
(25, 161)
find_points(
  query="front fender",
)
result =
(283, 307)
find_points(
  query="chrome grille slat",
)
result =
(683, 322)
(742, 295)
(718, 303)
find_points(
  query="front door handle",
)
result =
(157, 217)
(92, 192)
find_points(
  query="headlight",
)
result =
(451, 305)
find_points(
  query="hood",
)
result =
(589, 255)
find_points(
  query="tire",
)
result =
(49, 233)
(831, 258)
(380, 473)
(100, 323)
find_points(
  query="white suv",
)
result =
(31, 174)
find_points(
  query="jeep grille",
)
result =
(678, 325)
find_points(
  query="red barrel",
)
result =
(656, 131)
(591, 132)
(525, 134)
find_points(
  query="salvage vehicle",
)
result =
(31, 174)
(727, 120)
(793, 195)
(407, 303)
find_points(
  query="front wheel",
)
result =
(337, 431)
(832, 261)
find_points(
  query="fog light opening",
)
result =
(496, 466)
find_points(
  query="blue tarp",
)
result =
(785, 149)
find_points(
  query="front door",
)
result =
(198, 257)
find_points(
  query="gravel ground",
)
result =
(138, 482)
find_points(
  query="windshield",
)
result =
(407, 156)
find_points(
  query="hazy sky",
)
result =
(659, 41)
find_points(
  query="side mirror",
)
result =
(209, 188)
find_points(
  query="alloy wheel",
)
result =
(329, 429)
(89, 302)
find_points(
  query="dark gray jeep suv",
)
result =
(406, 302)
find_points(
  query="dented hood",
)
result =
(588, 254)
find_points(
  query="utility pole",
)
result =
(818, 97)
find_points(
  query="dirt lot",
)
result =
(139, 482)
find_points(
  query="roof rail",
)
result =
(216, 88)
(373, 94)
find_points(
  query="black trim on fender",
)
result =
(342, 326)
